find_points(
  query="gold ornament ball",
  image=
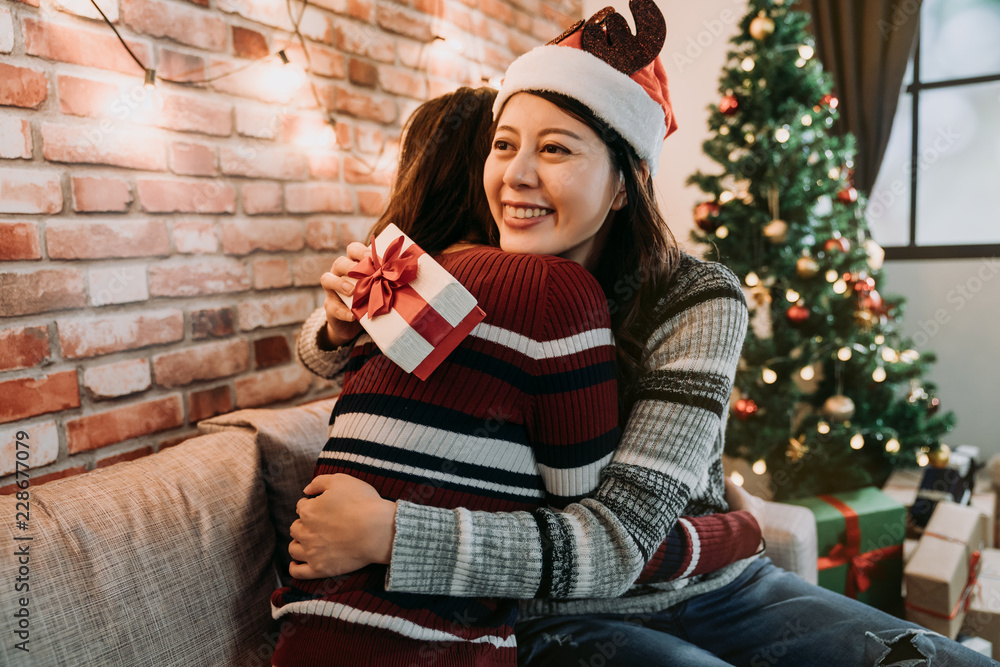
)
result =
(776, 231)
(761, 27)
(806, 267)
(939, 457)
(839, 407)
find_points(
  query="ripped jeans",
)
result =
(765, 618)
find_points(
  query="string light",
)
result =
(840, 286)
(792, 295)
(722, 232)
(752, 280)
(760, 467)
(892, 446)
(823, 428)
(769, 376)
(879, 374)
(737, 478)
(844, 353)
(747, 64)
(781, 135)
(806, 51)
(150, 82)
(807, 373)
(831, 276)
(857, 441)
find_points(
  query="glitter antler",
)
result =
(606, 35)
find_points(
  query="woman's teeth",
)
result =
(520, 212)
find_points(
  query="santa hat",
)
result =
(616, 74)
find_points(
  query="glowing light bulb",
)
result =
(747, 64)
(737, 478)
(807, 373)
(760, 467)
(922, 459)
(752, 280)
(879, 339)
(806, 51)
(844, 353)
(792, 295)
(823, 428)
(722, 232)
(724, 130)
(781, 135)
(890, 355)
(840, 286)
(807, 120)
(831, 276)
(726, 197)
(892, 446)
(879, 374)
(857, 441)
(769, 376)
(801, 62)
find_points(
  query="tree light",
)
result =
(722, 232)
(781, 135)
(922, 459)
(807, 373)
(752, 280)
(892, 446)
(857, 441)
(747, 64)
(760, 467)
(806, 51)
(844, 353)
(831, 276)
(879, 374)
(840, 286)
(792, 295)
(807, 120)
(823, 428)
(769, 376)
(737, 478)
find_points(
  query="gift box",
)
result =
(941, 574)
(983, 617)
(860, 545)
(940, 485)
(414, 310)
(977, 644)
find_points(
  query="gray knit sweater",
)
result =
(668, 464)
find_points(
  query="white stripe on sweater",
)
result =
(578, 481)
(395, 624)
(695, 546)
(534, 349)
(450, 446)
(521, 491)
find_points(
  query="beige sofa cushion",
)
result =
(289, 441)
(161, 561)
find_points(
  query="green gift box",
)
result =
(860, 545)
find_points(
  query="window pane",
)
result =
(888, 211)
(959, 39)
(959, 165)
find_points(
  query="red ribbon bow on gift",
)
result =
(379, 278)
(860, 566)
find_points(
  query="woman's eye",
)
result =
(500, 145)
(554, 149)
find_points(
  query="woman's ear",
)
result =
(644, 166)
(618, 203)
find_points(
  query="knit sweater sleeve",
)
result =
(327, 364)
(599, 546)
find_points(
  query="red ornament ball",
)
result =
(827, 101)
(729, 105)
(873, 303)
(797, 314)
(849, 195)
(933, 405)
(744, 409)
(705, 215)
(839, 243)
(866, 284)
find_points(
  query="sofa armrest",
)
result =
(790, 534)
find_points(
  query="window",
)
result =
(938, 190)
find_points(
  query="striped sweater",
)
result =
(667, 463)
(522, 415)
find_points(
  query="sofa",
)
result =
(171, 559)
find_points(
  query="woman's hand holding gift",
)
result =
(344, 528)
(341, 325)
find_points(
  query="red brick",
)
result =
(82, 46)
(93, 195)
(356, 171)
(261, 198)
(362, 73)
(363, 105)
(267, 12)
(497, 57)
(41, 291)
(11, 489)
(403, 22)
(180, 66)
(85, 9)
(318, 198)
(322, 61)
(106, 428)
(43, 446)
(206, 361)
(22, 87)
(124, 457)
(162, 196)
(6, 30)
(275, 311)
(308, 131)
(370, 140)
(23, 347)
(117, 284)
(462, 19)
(203, 276)
(267, 82)
(15, 139)
(212, 323)
(499, 10)
(307, 270)
(190, 159)
(271, 351)
(355, 230)
(121, 378)
(364, 41)
(195, 237)
(443, 64)
(19, 240)
(324, 165)
(272, 386)
(187, 113)
(271, 273)
(315, 25)
(241, 237)
(208, 403)
(255, 162)
(97, 239)
(31, 191)
(249, 43)
(257, 122)
(28, 397)
(372, 202)
(343, 131)
(432, 7)
(97, 335)
(360, 9)
(190, 26)
(322, 234)
(106, 143)
(83, 97)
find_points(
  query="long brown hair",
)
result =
(640, 253)
(438, 197)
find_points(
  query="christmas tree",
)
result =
(829, 396)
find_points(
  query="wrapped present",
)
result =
(940, 485)
(983, 617)
(977, 644)
(986, 503)
(943, 570)
(414, 310)
(860, 545)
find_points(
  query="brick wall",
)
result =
(160, 250)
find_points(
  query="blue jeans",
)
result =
(764, 618)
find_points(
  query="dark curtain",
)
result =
(865, 45)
